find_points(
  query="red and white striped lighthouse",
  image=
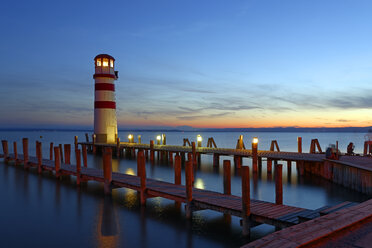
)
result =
(105, 124)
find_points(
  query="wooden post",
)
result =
(57, 161)
(289, 166)
(39, 156)
(85, 156)
(299, 144)
(76, 142)
(164, 138)
(139, 139)
(193, 153)
(238, 161)
(5, 149)
(107, 169)
(254, 156)
(189, 176)
(278, 185)
(365, 148)
(15, 152)
(94, 143)
(78, 165)
(170, 157)
(87, 138)
(51, 151)
(216, 159)
(151, 150)
(67, 148)
(227, 177)
(25, 152)
(118, 147)
(269, 166)
(246, 200)
(142, 171)
(177, 169)
(61, 152)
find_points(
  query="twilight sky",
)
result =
(203, 63)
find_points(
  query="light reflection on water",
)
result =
(57, 213)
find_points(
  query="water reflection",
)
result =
(107, 232)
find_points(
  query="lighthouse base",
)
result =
(104, 138)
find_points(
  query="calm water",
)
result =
(40, 211)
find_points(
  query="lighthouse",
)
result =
(105, 123)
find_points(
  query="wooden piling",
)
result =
(94, 149)
(170, 157)
(238, 161)
(193, 153)
(107, 169)
(85, 155)
(151, 150)
(118, 147)
(189, 176)
(78, 165)
(278, 184)
(177, 169)
(87, 138)
(142, 171)
(269, 163)
(67, 148)
(246, 200)
(254, 156)
(5, 149)
(216, 159)
(39, 155)
(76, 142)
(51, 151)
(227, 177)
(289, 167)
(25, 152)
(61, 152)
(15, 152)
(299, 144)
(57, 161)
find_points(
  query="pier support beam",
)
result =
(237, 161)
(254, 155)
(193, 153)
(15, 152)
(85, 155)
(278, 184)
(76, 142)
(5, 150)
(107, 169)
(141, 172)
(151, 151)
(216, 159)
(67, 148)
(39, 156)
(78, 165)
(189, 176)
(25, 152)
(61, 152)
(227, 177)
(299, 144)
(57, 161)
(246, 201)
(51, 151)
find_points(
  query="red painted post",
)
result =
(61, 152)
(278, 185)
(193, 153)
(51, 151)
(299, 144)
(227, 177)
(246, 200)
(76, 142)
(254, 154)
(107, 169)
(25, 152)
(67, 148)
(57, 161)
(171, 157)
(15, 152)
(238, 161)
(152, 151)
(365, 148)
(85, 155)
(142, 168)
(269, 166)
(177, 169)
(216, 159)
(78, 165)
(39, 155)
(189, 176)
(5, 149)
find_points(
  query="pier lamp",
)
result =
(158, 138)
(199, 139)
(130, 138)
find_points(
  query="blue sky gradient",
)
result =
(253, 63)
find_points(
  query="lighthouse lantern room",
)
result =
(105, 123)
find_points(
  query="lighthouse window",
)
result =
(98, 62)
(105, 62)
(111, 63)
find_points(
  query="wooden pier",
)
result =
(251, 211)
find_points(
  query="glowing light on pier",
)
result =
(255, 140)
(199, 183)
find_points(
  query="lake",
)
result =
(40, 211)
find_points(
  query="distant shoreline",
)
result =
(191, 129)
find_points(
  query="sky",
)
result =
(201, 63)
